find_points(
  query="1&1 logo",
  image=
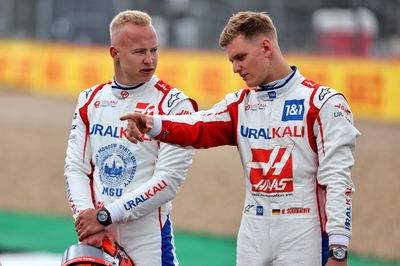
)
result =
(117, 165)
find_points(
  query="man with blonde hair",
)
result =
(296, 141)
(116, 189)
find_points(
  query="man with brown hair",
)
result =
(117, 189)
(296, 141)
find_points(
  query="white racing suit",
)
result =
(134, 182)
(296, 141)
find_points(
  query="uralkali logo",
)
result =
(271, 170)
(152, 192)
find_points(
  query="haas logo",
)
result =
(271, 170)
(145, 108)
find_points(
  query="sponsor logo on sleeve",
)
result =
(87, 92)
(323, 93)
(173, 98)
(343, 108)
(248, 208)
(348, 194)
(145, 196)
(342, 111)
(293, 110)
(260, 210)
(72, 137)
(184, 112)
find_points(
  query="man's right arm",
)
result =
(203, 129)
(77, 164)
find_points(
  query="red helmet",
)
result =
(110, 254)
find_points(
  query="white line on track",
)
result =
(31, 259)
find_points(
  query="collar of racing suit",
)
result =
(276, 88)
(122, 92)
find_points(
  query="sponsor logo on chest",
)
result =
(117, 168)
(272, 133)
(271, 170)
(293, 110)
(111, 131)
(145, 108)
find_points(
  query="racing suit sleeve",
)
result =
(203, 129)
(170, 171)
(78, 169)
(336, 138)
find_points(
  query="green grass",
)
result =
(33, 232)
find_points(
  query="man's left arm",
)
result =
(336, 137)
(170, 171)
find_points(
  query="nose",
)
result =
(148, 58)
(236, 67)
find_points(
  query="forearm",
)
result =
(194, 131)
(336, 146)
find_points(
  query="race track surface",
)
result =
(34, 131)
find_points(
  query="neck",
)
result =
(125, 83)
(122, 79)
(279, 70)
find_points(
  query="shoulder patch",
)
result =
(310, 84)
(171, 97)
(322, 94)
(162, 86)
(236, 96)
(88, 94)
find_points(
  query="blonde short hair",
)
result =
(249, 24)
(134, 17)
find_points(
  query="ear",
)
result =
(114, 53)
(267, 47)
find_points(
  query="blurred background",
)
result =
(50, 50)
(357, 27)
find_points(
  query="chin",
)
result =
(251, 84)
(146, 78)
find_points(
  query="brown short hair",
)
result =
(248, 23)
(135, 17)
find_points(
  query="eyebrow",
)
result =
(236, 56)
(143, 48)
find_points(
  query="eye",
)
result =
(240, 57)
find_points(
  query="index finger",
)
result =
(127, 116)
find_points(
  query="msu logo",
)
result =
(117, 168)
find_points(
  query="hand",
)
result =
(138, 125)
(333, 262)
(95, 240)
(86, 224)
